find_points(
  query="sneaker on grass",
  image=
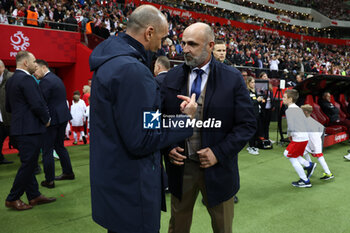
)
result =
(310, 169)
(347, 157)
(327, 176)
(252, 151)
(302, 184)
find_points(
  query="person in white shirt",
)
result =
(3, 17)
(274, 62)
(314, 146)
(77, 110)
(297, 129)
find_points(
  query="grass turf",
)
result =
(267, 201)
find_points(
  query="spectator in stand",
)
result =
(72, 23)
(274, 62)
(102, 31)
(259, 65)
(86, 94)
(172, 53)
(58, 16)
(3, 17)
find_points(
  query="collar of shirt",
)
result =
(205, 75)
(293, 106)
(46, 73)
(162, 72)
(2, 77)
(24, 71)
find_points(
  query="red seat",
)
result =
(342, 115)
(344, 104)
(317, 113)
(334, 129)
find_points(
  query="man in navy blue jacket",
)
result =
(54, 93)
(30, 117)
(125, 168)
(207, 161)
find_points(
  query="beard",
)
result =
(196, 61)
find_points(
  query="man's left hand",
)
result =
(207, 158)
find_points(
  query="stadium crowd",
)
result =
(66, 11)
(250, 19)
(260, 49)
(334, 9)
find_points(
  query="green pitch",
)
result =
(268, 203)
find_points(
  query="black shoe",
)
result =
(47, 184)
(310, 169)
(84, 140)
(65, 177)
(302, 184)
(235, 199)
(5, 161)
(37, 170)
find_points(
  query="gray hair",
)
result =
(2, 63)
(163, 61)
(209, 32)
(144, 16)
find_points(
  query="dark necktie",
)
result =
(196, 85)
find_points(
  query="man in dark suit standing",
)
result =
(161, 67)
(5, 117)
(125, 171)
(30, 117)
(207, 161)
(55, 96)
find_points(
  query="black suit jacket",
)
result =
(27, 105)
(54, 93)
(226, 99)
(160, 78)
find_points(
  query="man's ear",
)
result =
(211, 45)
(25, 62)
(149, 32)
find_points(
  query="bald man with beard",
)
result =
(206, 162)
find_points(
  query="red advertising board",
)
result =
(51, 45)
(246, 26)
(335, 138)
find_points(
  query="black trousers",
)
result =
(266, 119)
(54, 140)
(4, 132)
(25, 181)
